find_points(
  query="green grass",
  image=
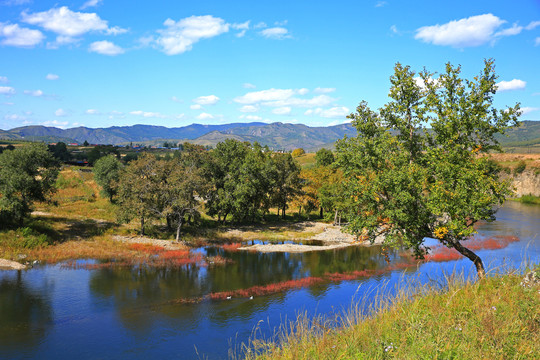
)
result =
(495, 318)
(530, 199)
(307, 160)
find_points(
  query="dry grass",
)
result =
(496, 318)
(511, 160)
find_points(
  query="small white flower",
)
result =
(493, 308)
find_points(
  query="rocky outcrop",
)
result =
(526, 183)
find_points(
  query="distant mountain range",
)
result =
(276, 135)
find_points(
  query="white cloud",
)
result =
(320, 90)
(468, 32)
(380, 3)
(248, 86)
(105, 48)
(116, 30)
(302, 91)
(514, 84)
(537, 41)
(3, 79)
(265, 95)
(282, 110)
(35, 93)
(91, 3)
(249, 108)
(14, 117)
(175, 99)
(205, 116)
(532, 25)
(320, 100)
(277, 33)
(206, 100)
(14, 35)
(260, 25)
(56, 123)
(60, 112)
(52, 77)
(241, 26)
(195, 107)
(148, 114)
(253, 117)
(92, 112)
(7, 90)
(527, 110)
(69, 24)
(179, 116)
(16, 2)
(179, 37)
(335, 112)
(395, 30)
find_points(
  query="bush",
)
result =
(520, 167)
(298, 152)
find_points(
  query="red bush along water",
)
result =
(231, 247)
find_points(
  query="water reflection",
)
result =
(135, 312)
(25, 314)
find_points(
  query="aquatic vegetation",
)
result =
(231, 246)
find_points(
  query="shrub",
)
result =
(298, 152)
(520, 167)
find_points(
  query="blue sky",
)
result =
(101, 63)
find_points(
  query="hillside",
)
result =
(276, 135)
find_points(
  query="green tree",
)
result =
(286, 180)
(324, 157)
(27, 174)
(140, 190)
(415, 169)
(107, 173)
(60, 151)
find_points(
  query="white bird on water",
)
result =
(251, 297)
(229, 297)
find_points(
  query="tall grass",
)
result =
(495, 318)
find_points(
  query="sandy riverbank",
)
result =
(11, 265)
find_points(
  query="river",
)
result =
(52, 312)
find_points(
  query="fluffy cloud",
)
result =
(56, 123)
(105, 48)
(148, 114)
(52, 77)
(195, 107)
(282, 110)
(243, 27)
(60, 112)
(320, 90)
(276, 33)
(249, 108)
(527, 109)
(205, 116)
(7, 90)
(68, 24)
(265, 95)
(252, 117)
(35, 93)
(248, 86)
(14, 35)
(468, 32)
(14, 117)
(320, 100)
(335, 112)
(91, 3)
(532, 25)
(92, 112)
(514, 84)
(537, 41)
(179, 37)
(206, 100)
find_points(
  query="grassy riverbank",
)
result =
(496, 318)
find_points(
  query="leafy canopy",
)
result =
(417, 167)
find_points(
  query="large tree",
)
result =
(107, 173)
(27, 174)
(417, 167)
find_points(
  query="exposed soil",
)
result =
(166, 244)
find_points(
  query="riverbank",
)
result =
(496, 318)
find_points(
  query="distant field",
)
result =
(307, 160)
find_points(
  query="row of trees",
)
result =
(236, 180)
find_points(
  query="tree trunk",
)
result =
(180, 217)
(321, 213)
(283, 212)
(142, 225)
(335, 217)
(473, 257)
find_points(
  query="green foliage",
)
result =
(530, 199)
(298, 152)
(27, 174)
(107, 172)
(60, 151)
(408, 183)
(100, 151)
(324, 157)
(520, 167)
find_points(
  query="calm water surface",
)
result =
(49, 312)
